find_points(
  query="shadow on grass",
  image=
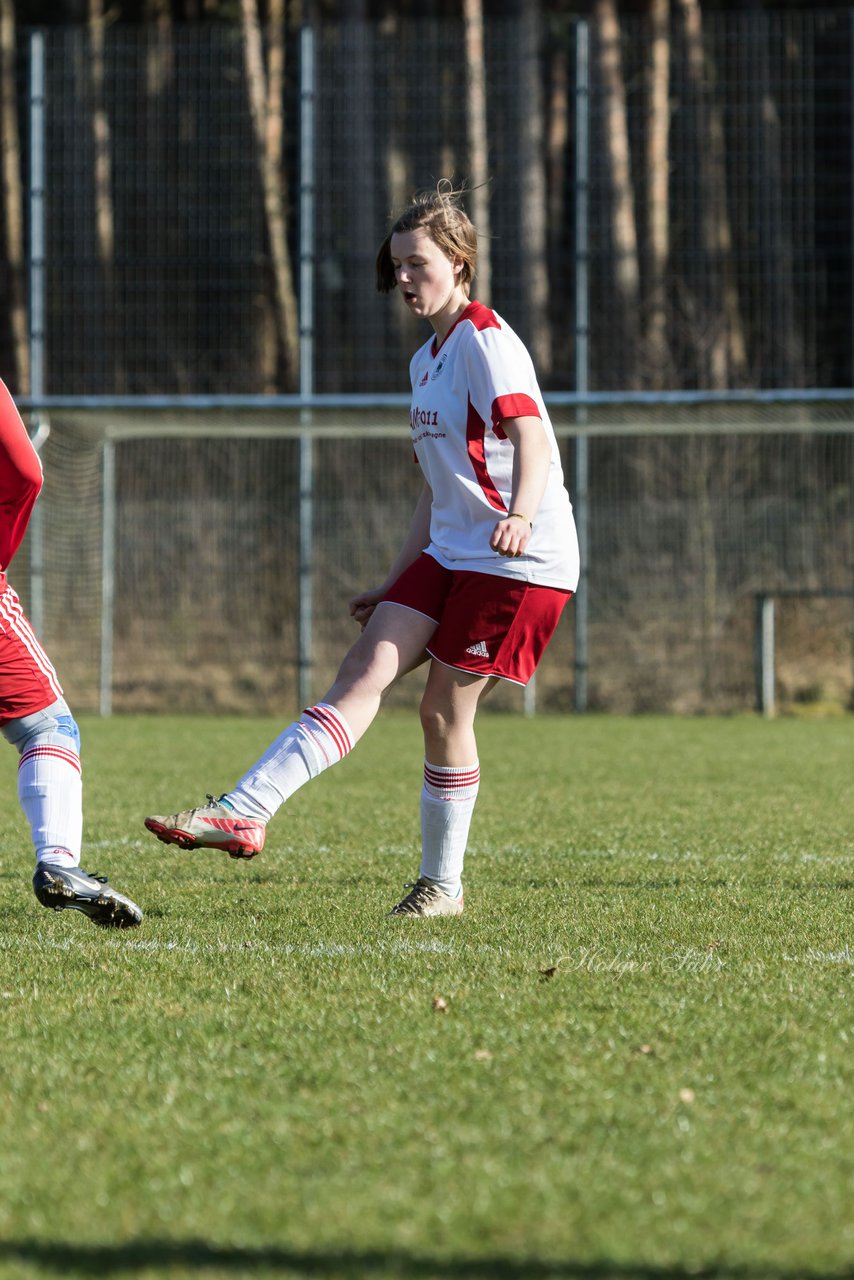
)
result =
(198, 1257)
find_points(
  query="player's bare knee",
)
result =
(436, 720)
(371, 664)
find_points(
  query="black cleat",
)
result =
(63, 887)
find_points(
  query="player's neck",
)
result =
(445, 319)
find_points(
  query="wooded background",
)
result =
(719, 186)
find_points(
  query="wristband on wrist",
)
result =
(518, 515)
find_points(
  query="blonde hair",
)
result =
(438, 212)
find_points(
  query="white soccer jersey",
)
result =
(461, 391)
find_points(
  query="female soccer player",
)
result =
(35, 717)
(488, 564)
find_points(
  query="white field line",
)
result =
(312, 950)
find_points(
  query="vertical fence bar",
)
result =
(765, 656)
(306, 371)
(108, 574)
(36, 291)
(582, 328)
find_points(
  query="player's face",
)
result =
(429, 281)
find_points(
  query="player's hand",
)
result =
(511, 536)
(362, 606)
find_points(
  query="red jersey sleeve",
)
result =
(20, 478)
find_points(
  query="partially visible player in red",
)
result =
(478, 587)
(34, 715)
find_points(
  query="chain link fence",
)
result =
(187, 545)
(698, 237)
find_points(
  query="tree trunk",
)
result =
(786, 363)
(358, 159)
(13, 197)
(723, 362)
(532, 174)
(478, 143)
(274, 139)
(396, 161)
(105, 221)
(558, 147)
(617, 155)
(658, 194)
(273, 185)
(160, 60)
(719, 333)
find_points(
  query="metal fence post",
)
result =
(582, 323)
(765, 658)
(306, 371)
(108, 573)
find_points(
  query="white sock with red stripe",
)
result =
(50, 784)
(447, 804)
(319, 738)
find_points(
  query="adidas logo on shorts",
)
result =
(479, 650)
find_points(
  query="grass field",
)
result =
(633, 1056)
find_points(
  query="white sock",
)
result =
(319, 738)
(50, 783)
(447, 804)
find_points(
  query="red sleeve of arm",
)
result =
(20, 478)
(518, 406)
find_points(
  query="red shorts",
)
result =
(28, 681)
(487, 624)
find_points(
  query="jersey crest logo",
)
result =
(479, 650)
(439, 367)
(423, 382)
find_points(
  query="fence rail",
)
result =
(175, 542)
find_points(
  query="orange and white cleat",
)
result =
(212, 826)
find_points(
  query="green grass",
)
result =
(644, 1065)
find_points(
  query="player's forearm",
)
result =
(531, 462)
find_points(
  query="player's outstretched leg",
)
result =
(391, 644)
(237, 821)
